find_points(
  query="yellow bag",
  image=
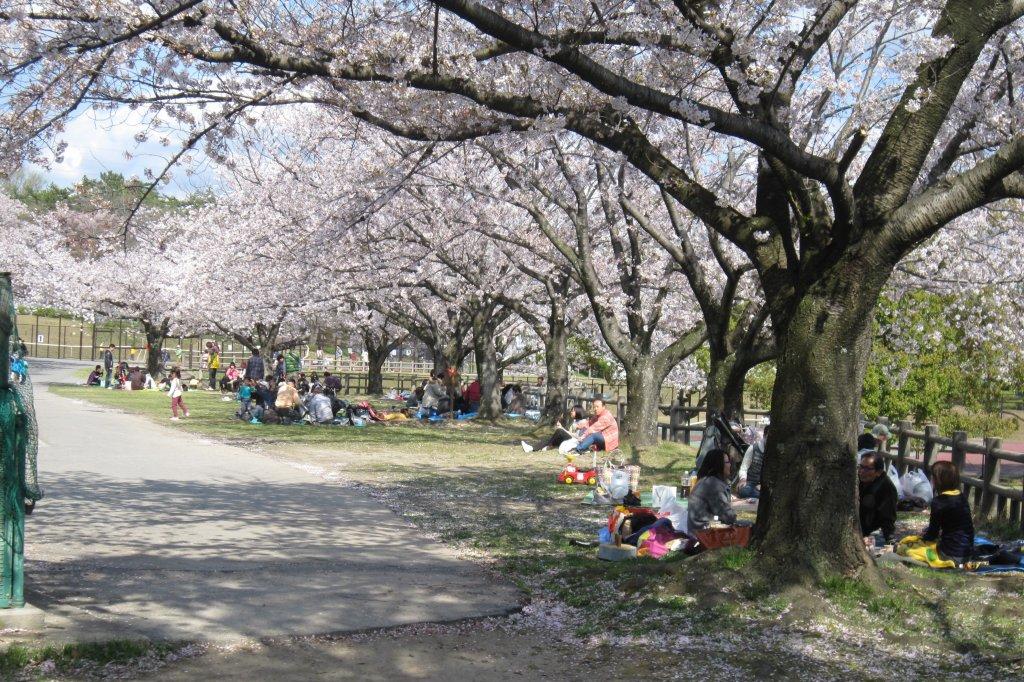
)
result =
(915, 548)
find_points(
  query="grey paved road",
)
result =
(146, 531)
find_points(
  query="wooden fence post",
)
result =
(990, 475)
(931, 432)
(674, 414)
(959, 456)
(901, 448)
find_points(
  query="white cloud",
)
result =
(99, 141)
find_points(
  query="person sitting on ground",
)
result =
(265, 394)
(710, 497)
(601, 431)
(878, 498)
(95, 377)
(866, 443)
(749, 485)
(320, 406)
(433, 392)
(288, 401)
(471, 396)
(513, 399)
(302, 384)
(122, 375)
(254, 367)
(881, 434)
(332, 382)
(229, 382)
(577, 420)
(136, 380)
(950, 522)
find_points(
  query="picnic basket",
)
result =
(728, 536)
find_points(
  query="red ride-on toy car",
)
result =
(573, 474)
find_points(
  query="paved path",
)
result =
(146, 531)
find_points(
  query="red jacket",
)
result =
(607, 427)
(473, 392)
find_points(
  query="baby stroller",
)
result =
(719, 435)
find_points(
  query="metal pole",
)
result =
(6, 329)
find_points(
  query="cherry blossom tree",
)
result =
(870, 126)
(634, 289)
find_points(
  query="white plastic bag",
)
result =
(915, 483)
(567, 445)
(894, 476)
(662, 495)
(675, 511)
(619, 485)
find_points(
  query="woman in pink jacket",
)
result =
(602, 430)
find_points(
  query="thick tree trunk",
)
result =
(726, 377)
(557, 365)
(155, 335)
(376, 357)
(732, 399)
(487, 371)
(643, 388)
(441, 363)
(807, 524)
(718, 378)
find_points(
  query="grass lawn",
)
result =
(471, 485)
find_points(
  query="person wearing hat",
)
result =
(881, 434)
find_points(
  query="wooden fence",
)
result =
(988, 495)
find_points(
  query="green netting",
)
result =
(19, 445)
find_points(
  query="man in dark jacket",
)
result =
(254, 368)
(108, 365)
(878, 497)
(332, 381)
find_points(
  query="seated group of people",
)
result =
(123, 377)
(442, 393)
(270, 400)
(950, 523)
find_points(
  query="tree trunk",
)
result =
(643, 388)
(440, 361)
(718, 378)
(807, 523)
(155, 335)
(726, 377)
(376, 357)
(557, 365)
(487, 371)
(732, 400)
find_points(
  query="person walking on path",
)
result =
(254, 368)
(108, 365)
(176, 393)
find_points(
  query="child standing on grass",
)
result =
(245, 397)
(176, 392)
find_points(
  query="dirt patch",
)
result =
(425, 653)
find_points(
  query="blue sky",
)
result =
(98, 142)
